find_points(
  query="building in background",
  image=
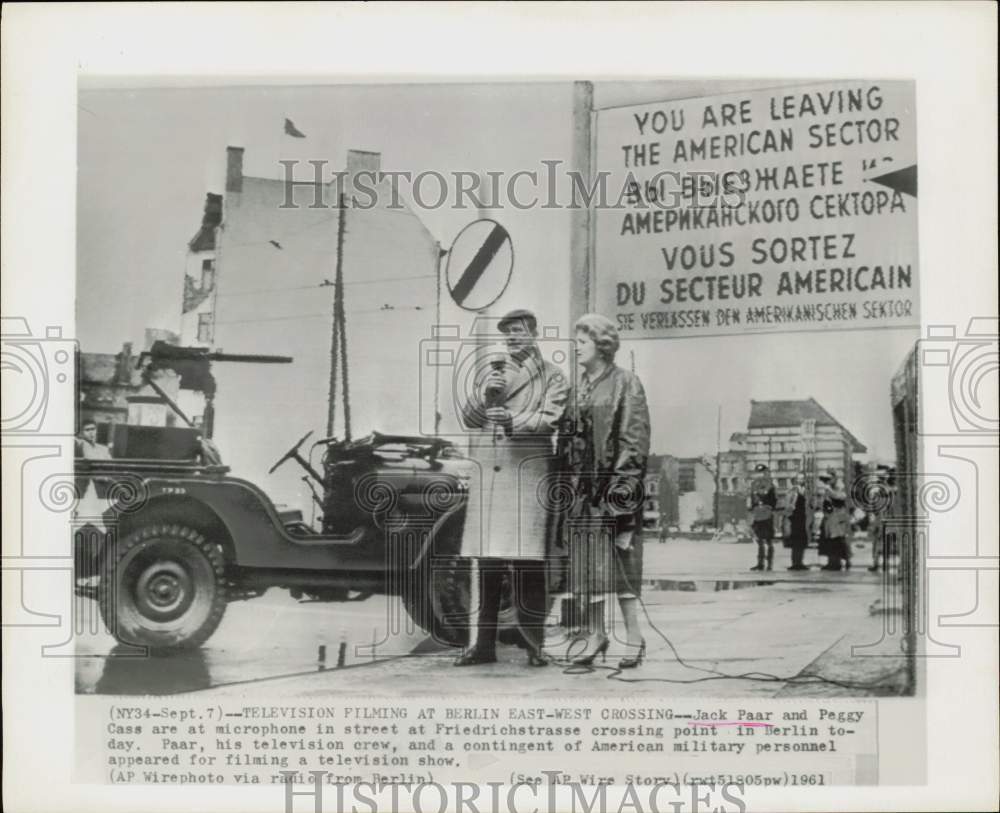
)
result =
(110, 389)
(794, 436)
(651, 509)
(661, 500)
(685, 491)
(734, 480)
(259, 279)
(696, 493)
(787, 436)
(198, 309)
(104, 382)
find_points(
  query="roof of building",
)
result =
(694, 461)
(774, 414)
(204, 240)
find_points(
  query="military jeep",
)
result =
(183, 537)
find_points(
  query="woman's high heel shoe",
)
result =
(632, 663)
(600, 647)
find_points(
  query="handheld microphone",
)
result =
(498, 356)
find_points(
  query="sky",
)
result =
(147, 156)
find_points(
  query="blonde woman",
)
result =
(606, 447)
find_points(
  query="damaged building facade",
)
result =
(260, 278)
(111, 392)
(788, 436)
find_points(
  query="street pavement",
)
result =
(712, 628)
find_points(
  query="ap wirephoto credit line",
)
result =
(502, 444)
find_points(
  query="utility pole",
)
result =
(338, 292)
(338, 335)
(437, 341)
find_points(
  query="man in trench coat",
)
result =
(515, 415)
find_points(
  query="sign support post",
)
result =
(580, 257)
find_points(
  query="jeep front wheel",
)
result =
(166, 588)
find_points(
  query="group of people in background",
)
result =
(828, 517)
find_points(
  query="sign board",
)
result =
(773, 210)
(480, 262)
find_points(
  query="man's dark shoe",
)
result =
(538, 659)
(474, 657)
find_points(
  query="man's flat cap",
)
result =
(520, 314)
(760, 467)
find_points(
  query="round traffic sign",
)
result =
(480, 263)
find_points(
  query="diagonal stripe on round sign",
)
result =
(480, 263)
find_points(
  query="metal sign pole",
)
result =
(581, 237)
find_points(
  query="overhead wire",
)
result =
(393, 309)
(325, 285)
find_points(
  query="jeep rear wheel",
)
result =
(166, 588)
(437, 599)
(439, 602)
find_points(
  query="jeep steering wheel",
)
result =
(291, 453)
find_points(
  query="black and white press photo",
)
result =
(368, 410)
(569, 432)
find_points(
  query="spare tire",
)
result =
(438, 599)
(437, 593)
(164, 588)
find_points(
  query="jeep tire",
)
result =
(165, 588)
(439, 603)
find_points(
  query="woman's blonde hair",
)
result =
(603, 332)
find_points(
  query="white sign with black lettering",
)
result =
(785, 209)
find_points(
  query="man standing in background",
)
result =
(836, 522)
(762, 501)
(797, 519)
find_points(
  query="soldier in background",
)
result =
(836, 522)
(762, 501)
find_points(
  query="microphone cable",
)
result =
(615, 672)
